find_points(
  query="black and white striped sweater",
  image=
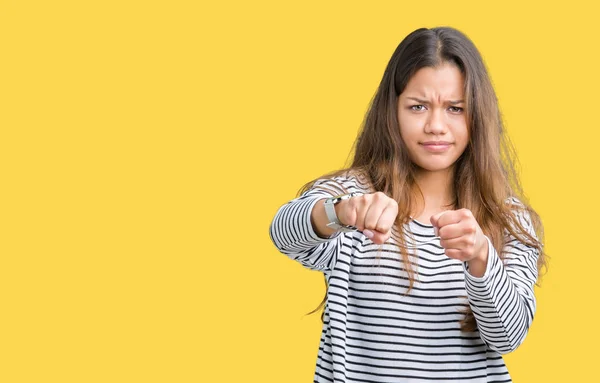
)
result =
(374, 331)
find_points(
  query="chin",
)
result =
(429, 167)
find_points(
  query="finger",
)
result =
(387, 218)
(435, 218)
(450, 217)
(463, 243)
(455, 254)
(465, 214)
(374, 211)
(380, 238)
(456, 230)
(361, 205)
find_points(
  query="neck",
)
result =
(437, 189)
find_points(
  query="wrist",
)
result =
(331, 211)
(319, 220)
(478, 264)
(482, 253)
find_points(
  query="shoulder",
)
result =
(514, 202)
(346, 182)
(517, 208)
(521, 213)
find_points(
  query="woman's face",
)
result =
(432, 118)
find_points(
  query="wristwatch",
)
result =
(334, 222)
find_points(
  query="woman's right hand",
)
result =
(374, 214)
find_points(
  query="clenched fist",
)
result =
(374, 214)
(462, 238)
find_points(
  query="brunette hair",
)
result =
(485, 175)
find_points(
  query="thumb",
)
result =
(435, 219)
(377, 236)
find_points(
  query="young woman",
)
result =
(429, 250)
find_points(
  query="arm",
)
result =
(298, 229)
(503, 300)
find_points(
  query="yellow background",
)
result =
(146, 146)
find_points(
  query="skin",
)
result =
(430, 109)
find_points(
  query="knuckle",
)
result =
(370, 223)
(376, 197)
(351, 203)
(357, 202)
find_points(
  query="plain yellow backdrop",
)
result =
(146, 145)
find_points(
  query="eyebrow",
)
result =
(452, 102)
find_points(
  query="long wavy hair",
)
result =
(484, 175)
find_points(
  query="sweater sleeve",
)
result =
(293, 234)
(503, 300)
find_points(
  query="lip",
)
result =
(436, 146)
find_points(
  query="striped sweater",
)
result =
(374, 331)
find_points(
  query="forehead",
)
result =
(445, 81)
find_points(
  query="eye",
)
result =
(456, 109)
(417, 108)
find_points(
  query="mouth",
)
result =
(436, 146)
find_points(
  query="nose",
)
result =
(436, 123)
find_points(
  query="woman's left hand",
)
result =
(461, 236)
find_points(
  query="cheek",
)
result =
(461, 132)
(409, 127)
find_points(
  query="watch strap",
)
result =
(334, 222)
